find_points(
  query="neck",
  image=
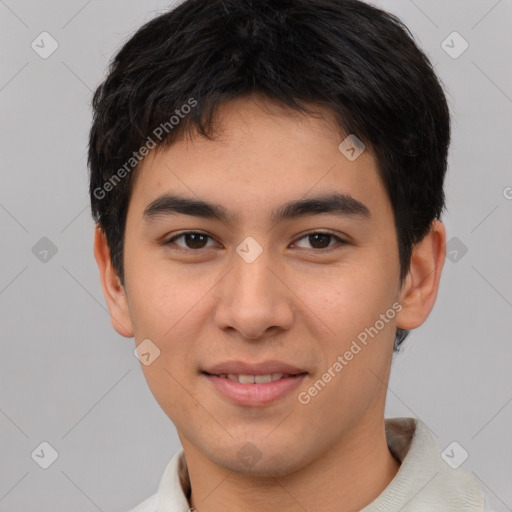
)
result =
(353, 472)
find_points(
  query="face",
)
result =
(253, 286)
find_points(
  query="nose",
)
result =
(253, 299)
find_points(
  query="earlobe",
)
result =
(419, 292)
(113, 290)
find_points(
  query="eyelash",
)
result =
(341, 242)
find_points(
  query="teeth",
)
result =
(254, 379)
(245, 379)
(262, 379)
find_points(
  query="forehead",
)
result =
(261, 156)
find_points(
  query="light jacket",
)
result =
(425, 482)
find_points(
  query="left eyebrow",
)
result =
(337, 204)
(343, 205)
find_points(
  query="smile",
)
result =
(253, 379)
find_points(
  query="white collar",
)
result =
(423, 482)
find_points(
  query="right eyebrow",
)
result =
(336, 203)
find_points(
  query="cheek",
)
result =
(348, 300)
(157, 293)
(169, 307)
(159, 307)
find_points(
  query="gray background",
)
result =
(67, 378)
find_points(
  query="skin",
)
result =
(296, 302)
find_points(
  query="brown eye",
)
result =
(321, 240)
(193, 240)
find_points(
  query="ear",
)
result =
(113, 290)
(419, 291)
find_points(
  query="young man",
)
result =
(267, 182)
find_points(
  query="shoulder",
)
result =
(170, 494)
(493, 504)
(148, 505)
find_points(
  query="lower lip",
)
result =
(255, 394)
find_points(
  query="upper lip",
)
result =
(263, 368)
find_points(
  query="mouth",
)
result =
(250, 372)
(255, 379)
(254, 389)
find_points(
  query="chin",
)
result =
(258, 459)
